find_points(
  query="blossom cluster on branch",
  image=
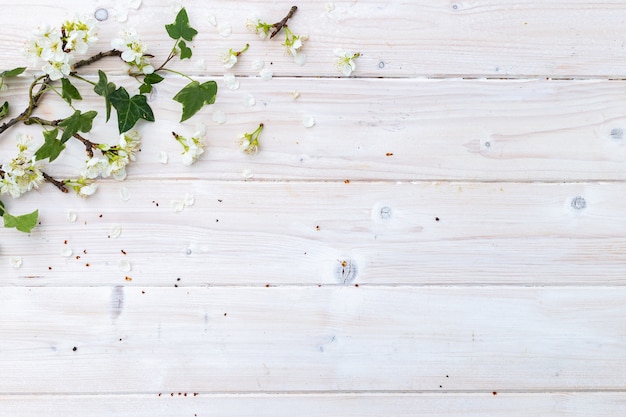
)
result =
(61, 52)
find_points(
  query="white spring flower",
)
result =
(115, 158)
(345, 62)
(58, 69)
(249, 142)
(131, 47)
(229, 59)
(262, 29)
(192, 148)
(80, 34)
(57, 46)
(294, 44)
(23, 173)
(133, 50)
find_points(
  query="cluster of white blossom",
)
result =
(22, 173)
(112, 163)
(293, 43)
(133, 50)
(58, 46)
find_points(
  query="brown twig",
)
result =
(97, 57)
(279, 25)
(59, 184)
(89, 145)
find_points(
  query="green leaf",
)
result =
(78, 122)
(180, 28)
(194, 96)
(4, 109)
(185, 51)
(69, 92)
(12, 73)
(153, 78)
(130, 109)
(24, 223)
(148, 81)
(104, 88)
(51, 148)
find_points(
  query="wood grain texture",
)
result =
(318, 405)
(384, 129)
(258, 233)
(555, 38)
(440, 243)
(120, 340)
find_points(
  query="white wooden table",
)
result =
(448, 239)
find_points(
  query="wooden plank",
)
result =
(398, 39)
(258, 233)
(151, 340)
(601, 404)
(380, 129)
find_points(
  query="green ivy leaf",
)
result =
(69, 92)
(12, 73)
(194, 96)
(104, 88)
(180, 28)
(78, 122)
(130, 109)
(52, 147)
(24, 223)
(148, 81)
(185, 51)
(4, 109)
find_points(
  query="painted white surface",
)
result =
(412, 253)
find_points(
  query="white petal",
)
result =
(66, 252)
(295, 94)
(124, 193)
(219, 117)
(124, 265)
(16, 261)
(247, 173)
(189, 199)
(308, 121)
(231, 81)
(121, 15)
(71, 216)
(225, 30)
(212, 20)
(177, 205)
(115, 232)
(330, 7)
(134, 4)
(339, 52)
(249, 100)
(300, 58)
(266, 74)
(258, 64)
(200, 130)
(200, 65)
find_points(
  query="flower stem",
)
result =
(179, 73)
